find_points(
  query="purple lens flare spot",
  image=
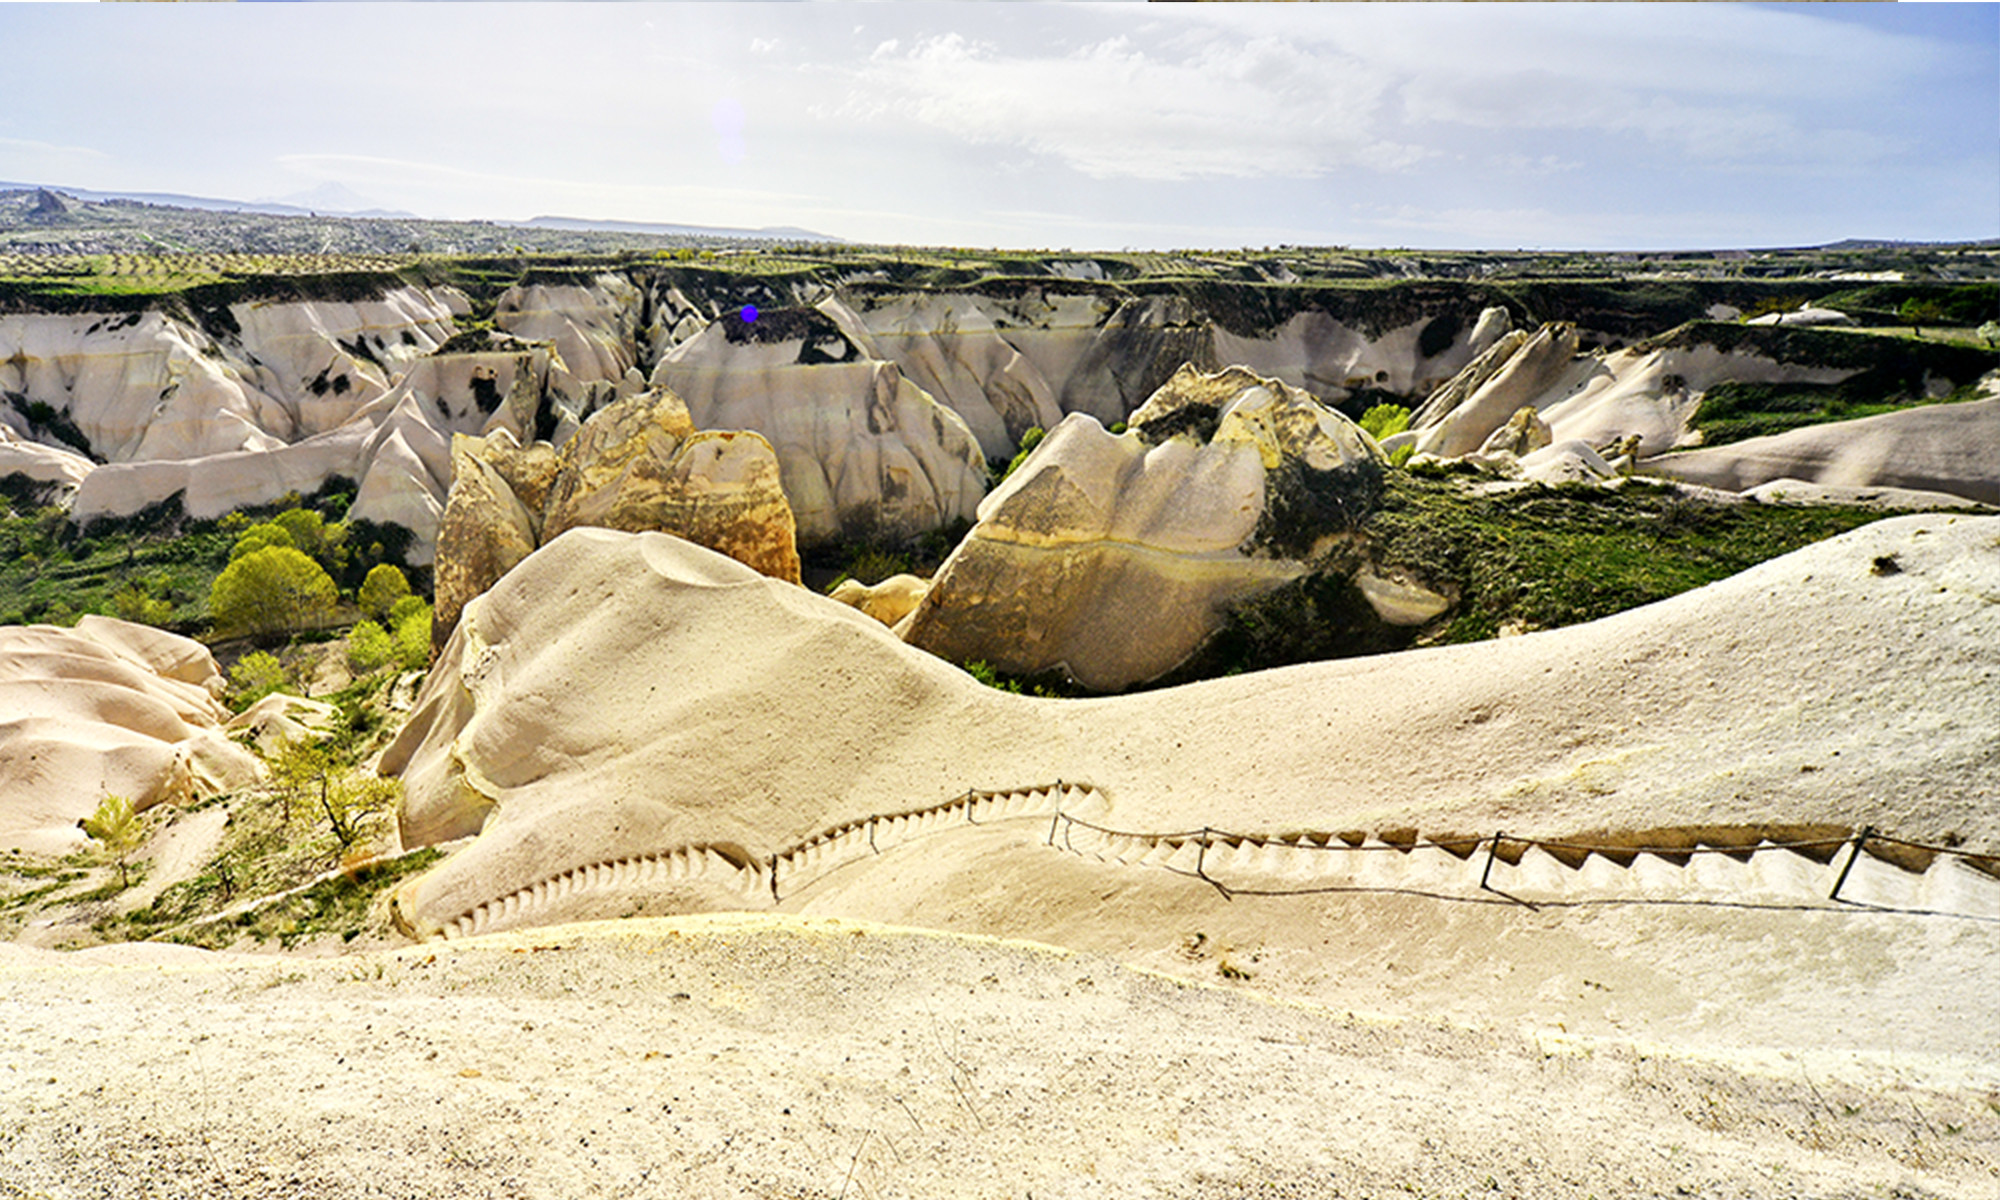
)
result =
(748, 314)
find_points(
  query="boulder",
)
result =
(640, 465)
(106, 708)
(1524, 433)
(888, 601)
(1113, 558)
(484, 533)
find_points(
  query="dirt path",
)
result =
(773, 1056)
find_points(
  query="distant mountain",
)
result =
(587, 225)
(176, 200)
(331, 199)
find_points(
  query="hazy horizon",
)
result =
(1580, 127)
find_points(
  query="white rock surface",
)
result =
(594, 327)
(862, 450)
(1951, 448)
(106, 708)
(625, 694)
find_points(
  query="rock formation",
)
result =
(106, 708)
(626, 695)
(863, 451)
(888, 601)
(484, 533)
(593, 327)
(638, 465)
(1113, 558)
(1952, 448)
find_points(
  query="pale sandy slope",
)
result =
(623, 694)
(723, 1057)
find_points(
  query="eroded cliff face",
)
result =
(886, 405)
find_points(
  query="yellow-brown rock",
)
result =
(640, 465)
(484, 533)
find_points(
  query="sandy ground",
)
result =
(789, 1057)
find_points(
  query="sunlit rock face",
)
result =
(594, 327)
(106, 708)
(1949, 448)
(637, 466)
(1006, 363)
(1112, 558)
(255, 375)
(405, 466)
(863, 452)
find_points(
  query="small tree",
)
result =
(413, 633)
(256, 675)
(383, 587)
(261, 537)
(1385, 420)
(297, 770)
(116, 825)
(273, 590)
(353, 803)
(369, 647)
(1920, 313)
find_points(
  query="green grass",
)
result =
(1732, 412)
(1539, 558)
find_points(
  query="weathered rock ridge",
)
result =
(637, 465)
(1113, 557)
(593, 707)
(106, 708)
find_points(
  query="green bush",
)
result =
(1385, 420)
(413, 633)
(370, 648)
(261, 537)
(116, 824)
(273, 590)
(384, 586)
(256, 675)
(132, 603)
(1029, 440)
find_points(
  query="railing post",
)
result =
(1492, 852)
(1860, 839)
(1053, 818)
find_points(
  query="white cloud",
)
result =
(1212, 107)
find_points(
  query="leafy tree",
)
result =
(307, 528)
(296, 771)
(256, 675)
(383, 587)
(353, 803)
(261, 537)
(116, 825)
(370, 648)
(1920, 313)
(273, 590)
(413, 633)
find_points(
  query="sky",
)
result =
(1065, 125)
